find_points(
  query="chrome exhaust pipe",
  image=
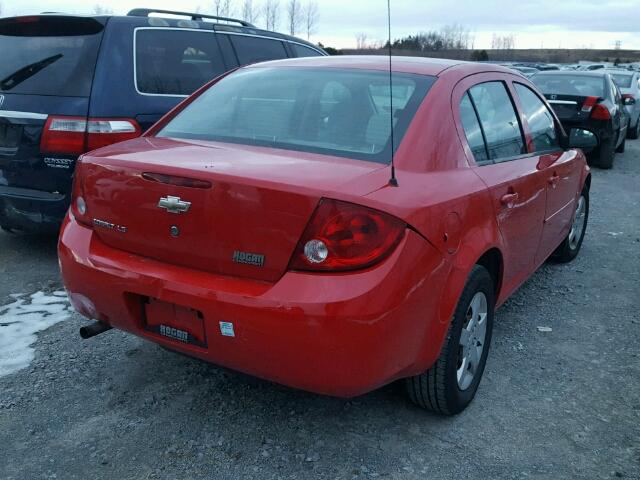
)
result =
(94, 329)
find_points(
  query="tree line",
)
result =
(449, 37)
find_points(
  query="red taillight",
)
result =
(64, 135)
(600, 112)
(103, 132)
(589, 103)
(343, 236)
(77, 135)
(78, 202)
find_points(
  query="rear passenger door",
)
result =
(559, 168)
(496, 139)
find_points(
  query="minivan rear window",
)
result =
(175, 61)
(48, 56)
(336, 112)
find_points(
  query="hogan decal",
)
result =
(247, 258)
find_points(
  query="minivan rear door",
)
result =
(47, 69)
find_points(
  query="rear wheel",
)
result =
(450, 385)
(634, 133)
(603, 157)
(570, 247)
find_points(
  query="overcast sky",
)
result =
(534, 23)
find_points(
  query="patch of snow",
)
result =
(21, 320)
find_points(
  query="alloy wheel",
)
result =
(577, 227)
(472, 340)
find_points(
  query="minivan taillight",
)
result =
(77, 135)
(344, 236)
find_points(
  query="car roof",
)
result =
(417, 65)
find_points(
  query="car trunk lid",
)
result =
(231, 210)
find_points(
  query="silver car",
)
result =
(629, 84)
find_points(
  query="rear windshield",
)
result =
(622, 80)
(48, 56)
(336, 112)
(577, 85)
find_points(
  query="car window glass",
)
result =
(539, 118)
(622, 80)
(302, 51)
(568, 84)
(472, 130)
(499, 120)
(49, 57)
(173, 62)
(255, 49)
(330, 111)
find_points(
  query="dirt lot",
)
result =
(557, 405)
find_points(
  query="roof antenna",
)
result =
(393, 181)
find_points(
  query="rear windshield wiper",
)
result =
(19, 76)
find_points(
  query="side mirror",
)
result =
(629, 100)
(583, 139)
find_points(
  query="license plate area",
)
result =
(9, 137)
(174, 322)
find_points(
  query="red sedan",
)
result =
(261, 226)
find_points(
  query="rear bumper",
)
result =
(32, 210)
(340, 335)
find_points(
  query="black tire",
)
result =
(570, 248)
(622, 146)
(438, 388)
(635, 133)
(604, 155)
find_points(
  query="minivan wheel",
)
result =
(570, 247)
(451, 383)
(633, 134)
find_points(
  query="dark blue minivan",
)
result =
(70, 84)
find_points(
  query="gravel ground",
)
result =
(557, 405)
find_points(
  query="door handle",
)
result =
(553, 181)
(509, 199)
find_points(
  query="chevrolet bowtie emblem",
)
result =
(174, 204)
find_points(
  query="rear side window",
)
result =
(302, 51)
(48, 55)
(472, 130)
(499, 120)
(539, 118)
(256, 49)
(175, 62)
(622, 80)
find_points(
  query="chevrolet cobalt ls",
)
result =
(260, 225)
